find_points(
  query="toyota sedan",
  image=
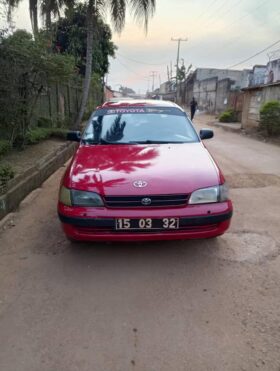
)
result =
(141, 172)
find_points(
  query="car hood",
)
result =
(167, 169)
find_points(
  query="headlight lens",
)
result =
(209, 195)
(73, 197)
(83, 198)
(65, 196)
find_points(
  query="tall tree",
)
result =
(69, 37)
(142, 11)
(52, 8)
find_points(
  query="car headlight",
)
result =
(73, 197)
(209, 195)
(65, 196)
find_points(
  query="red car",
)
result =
(141, 172)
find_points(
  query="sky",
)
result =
(220, 33)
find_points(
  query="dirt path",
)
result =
(193, 305)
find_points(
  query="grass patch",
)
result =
(6, 173)
(38, 134)
(228, 116)
(5, 146)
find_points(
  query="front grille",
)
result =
(137, 201)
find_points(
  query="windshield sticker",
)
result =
(140, 110)
(125, 110)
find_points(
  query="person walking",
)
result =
(193, 106)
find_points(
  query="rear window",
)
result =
(135, 125)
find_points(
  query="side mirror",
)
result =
(74, 136)
(206, 134)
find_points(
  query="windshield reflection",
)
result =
(139, 128)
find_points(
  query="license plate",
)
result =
(147, 224)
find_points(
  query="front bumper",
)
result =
(197, 221)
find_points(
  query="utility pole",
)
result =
(179, 40)
(153, 74)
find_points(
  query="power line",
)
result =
(206, 10)
(235, 21)
(214, 21)
(255, 55)
(131, 70)
(134, 60)
(233, 41)
(246, 15)
(216, 11)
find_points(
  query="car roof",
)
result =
(120, 99)
(139, 103)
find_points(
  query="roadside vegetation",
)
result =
(228, 116)
(270, 118)
(41, 80)
(52, 79)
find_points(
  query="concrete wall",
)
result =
(222, 98)
(240, 78)
(254, 98)
(19, 187)
(205, 93)
(226, 98)
(257, 75)
(273, 72)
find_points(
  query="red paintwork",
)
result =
(168, 169)
(139, 103)
(77, 234)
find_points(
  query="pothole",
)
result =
(252, 180)
(244, 247)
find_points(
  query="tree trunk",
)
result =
(48, 20)
(35, 22)
(33, 10)
(88, 72)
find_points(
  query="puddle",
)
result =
(244, 247)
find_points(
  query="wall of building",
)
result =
(254, 98)
(272, 72)
(222, 98)
(205, 93)
(240, 78)
(257, 76)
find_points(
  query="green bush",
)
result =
(270, 118)
(5, 146)
(228, 116)
(6, 173)
(36, 135)
(58, 133)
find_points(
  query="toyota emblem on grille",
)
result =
(146, 201)
(140, 183)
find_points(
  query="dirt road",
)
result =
(193, 305)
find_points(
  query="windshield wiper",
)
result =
(104, 141)
(149, 141)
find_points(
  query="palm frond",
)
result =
(100, 8)
(117, 12)
(143, 10)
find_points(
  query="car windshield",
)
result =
(137, 126)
